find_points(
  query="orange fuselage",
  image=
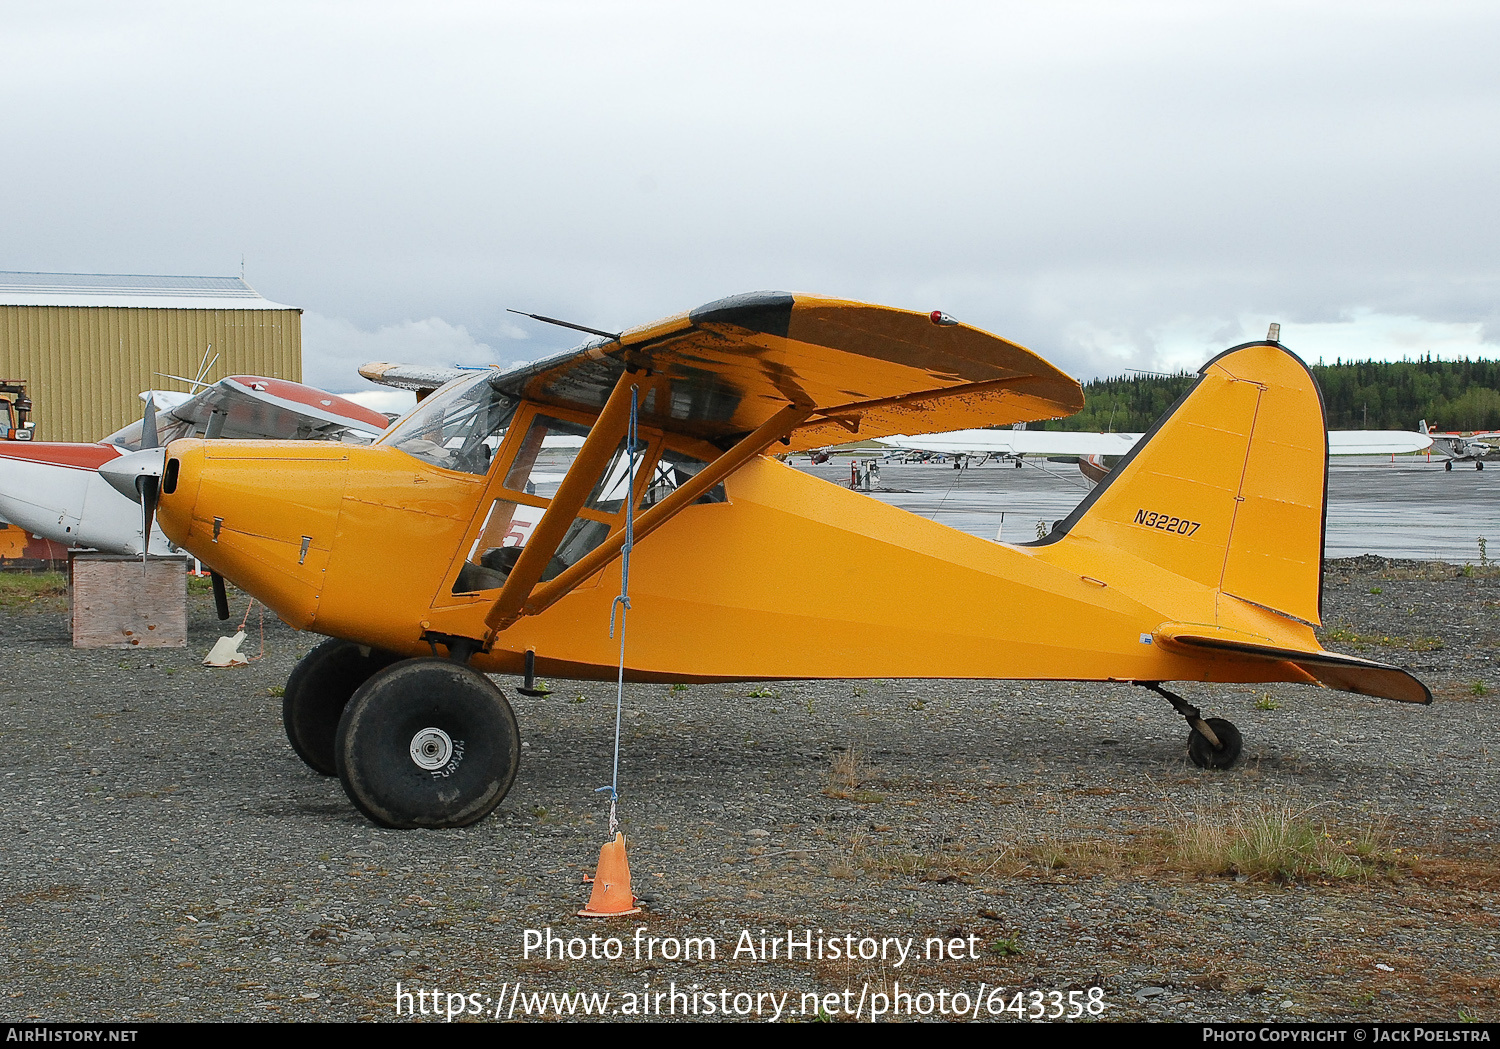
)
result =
(791, 577)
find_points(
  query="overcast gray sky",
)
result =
(1112, 184)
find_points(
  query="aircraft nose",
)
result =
(124, 473)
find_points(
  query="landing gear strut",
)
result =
(1214, 743)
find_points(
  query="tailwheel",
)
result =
(427, 743)
(1206, 756)
(1214, 743)
(317, 692)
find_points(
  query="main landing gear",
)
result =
(317, 692)
(1213, 743)
(415, 742)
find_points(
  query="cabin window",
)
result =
(507, 529)
(545, 455)
(672, 471)
(459, 429)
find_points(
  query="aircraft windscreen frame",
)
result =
(458, 428)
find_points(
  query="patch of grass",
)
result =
(276, 690)
(679, 687)
(861, 858)
(848, 768)
(1280, 842)
(846, 777)
(1377, 590)
(580, 698)
(1479, 688)
(1265, 702)
(761, 693)
(1055, 854)
(39, 592)
(847, 863)
(1276, 842)
(1007, 946)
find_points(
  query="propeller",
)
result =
(148, 425)
(148, 486)
(137, 476)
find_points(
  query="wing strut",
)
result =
(604, 437)
(753, 444)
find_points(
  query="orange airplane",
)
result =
(467, 541)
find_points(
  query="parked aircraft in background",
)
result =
(1013, 444)
(1459, 448)
(53, 490)
(1192, 562)
(1097, 452)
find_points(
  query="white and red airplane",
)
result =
(1458, 447)
(54, 490)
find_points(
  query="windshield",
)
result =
(457, 429)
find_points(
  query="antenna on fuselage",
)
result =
(564, 324)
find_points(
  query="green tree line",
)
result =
(1359, 395)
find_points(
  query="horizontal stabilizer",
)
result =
(1345, 673)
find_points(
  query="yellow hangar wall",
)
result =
(85, 366)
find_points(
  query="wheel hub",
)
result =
(431, 748)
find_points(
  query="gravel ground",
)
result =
(166, 856)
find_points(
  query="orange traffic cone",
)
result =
(611, 893)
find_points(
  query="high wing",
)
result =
(254, 407)
(860, 371)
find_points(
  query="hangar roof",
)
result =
(131, 290)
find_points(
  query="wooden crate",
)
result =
(117, 602)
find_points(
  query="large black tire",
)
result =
(427, 743)
(317, 692)
(1203, 753)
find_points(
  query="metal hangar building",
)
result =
(87, 344)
